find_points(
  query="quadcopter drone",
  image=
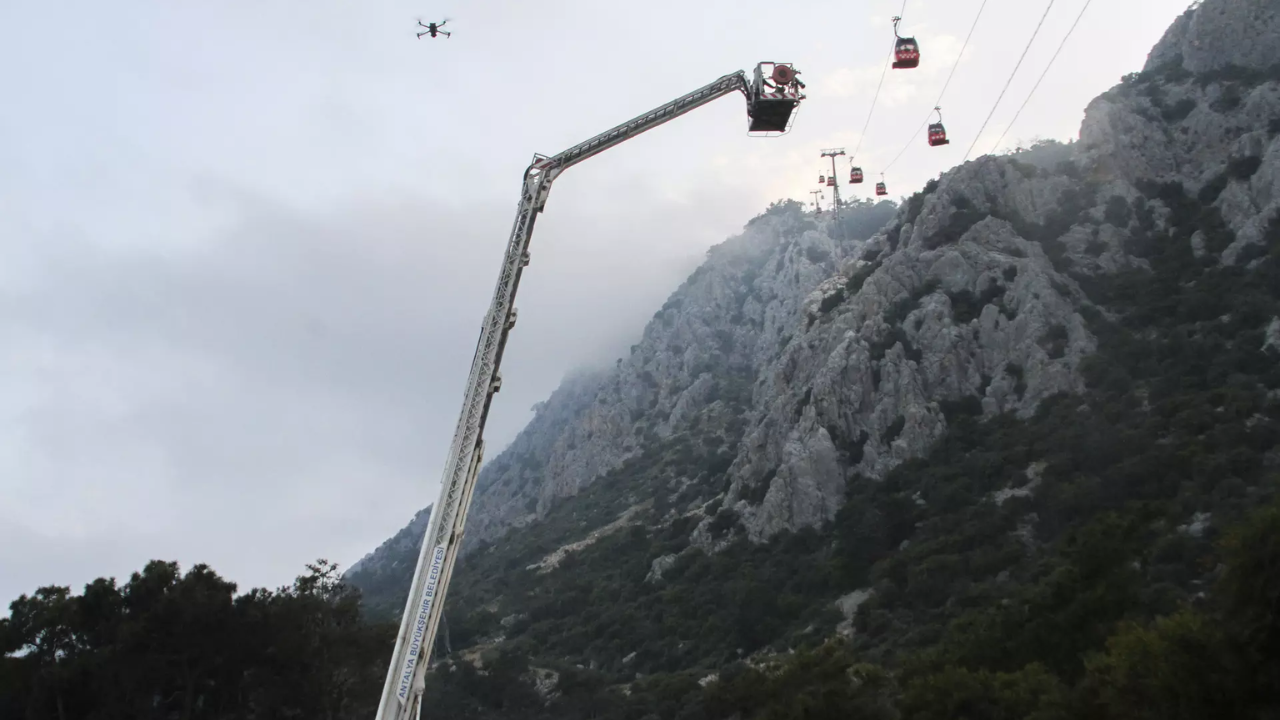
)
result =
(433, 29)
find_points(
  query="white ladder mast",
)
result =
(771, 100)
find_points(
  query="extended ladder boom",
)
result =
(771, 110)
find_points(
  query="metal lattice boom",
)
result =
(402, 692)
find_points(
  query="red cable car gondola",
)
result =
(855, 174)
(938, 133)
(831, 181)
(822, 179)
(906, 51)
(880, 188)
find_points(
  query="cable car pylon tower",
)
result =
(834, 182)
(773, 96)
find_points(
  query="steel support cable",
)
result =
(954, 65)
(1046, 72)
(884, 71)
(914, 135)
(1009, 81)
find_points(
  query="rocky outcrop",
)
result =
(848, 606)
(718, 329)
(1221, 33)
(1204, 113)
(964, 309)
(658, 566)
(557, 443)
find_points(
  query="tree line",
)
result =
(168, 644)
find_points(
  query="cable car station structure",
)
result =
(773, 95)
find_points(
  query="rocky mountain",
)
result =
(725, 325)
(985, 440)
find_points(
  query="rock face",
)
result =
(1204, 113)
(723, 325)
(510, 487)
(831, 354)
(1221, 33)
(983, 317)
(1272, 342)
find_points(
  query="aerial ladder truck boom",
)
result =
(772, 96)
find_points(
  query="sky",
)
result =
(248, 246)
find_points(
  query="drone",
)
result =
(433, 29)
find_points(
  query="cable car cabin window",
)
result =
(906, 53)
(881, 190)
(855, 175)
(938, 135)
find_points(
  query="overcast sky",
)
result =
(248, 245)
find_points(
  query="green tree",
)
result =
(1173, 669)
